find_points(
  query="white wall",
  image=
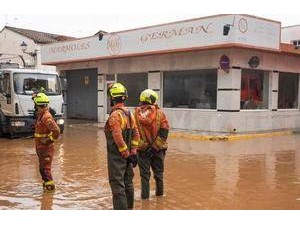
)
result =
(228, 101)
(10, 44)
(289, 34)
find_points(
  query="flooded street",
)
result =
(262, 173)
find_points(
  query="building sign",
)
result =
(70, 47)
(86, 80)
(254, 62)
(180, 36)
(171, 33)
(114, 44)
(225, 63)
(243, 25)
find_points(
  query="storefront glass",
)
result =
(254, 89)
(288, 91)
(135, 84)
(193, 89)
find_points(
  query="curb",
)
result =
(231, 137)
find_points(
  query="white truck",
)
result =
(17, 113)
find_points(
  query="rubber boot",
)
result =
(120, 202)
(159, 191)
(145, 192)
(130, 200)
(130, 196)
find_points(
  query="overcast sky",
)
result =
(85, 17)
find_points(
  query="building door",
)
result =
(82, 94)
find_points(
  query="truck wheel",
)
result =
(1, 131)
(2, 123)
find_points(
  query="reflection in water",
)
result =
(251, 171)
(285, 168)
(47, 200)
(262, 173)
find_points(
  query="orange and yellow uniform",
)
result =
(119, 121)
(46, 132)
(153, 127)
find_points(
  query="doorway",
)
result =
(82, 94)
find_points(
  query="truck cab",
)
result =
(17, 112)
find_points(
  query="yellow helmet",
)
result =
(117, 90)
(148, 96)
(42, 90)
(41, 99)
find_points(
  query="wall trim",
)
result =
(229, 89)
(228, 110)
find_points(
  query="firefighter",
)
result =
(51, 110)
(154, 129)
(46, 133)
(122, 138)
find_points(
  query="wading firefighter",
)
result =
(154, 129)
(46, 133)
(122, 141)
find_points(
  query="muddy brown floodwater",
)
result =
(262, 173)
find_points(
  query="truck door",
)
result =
(5, 94)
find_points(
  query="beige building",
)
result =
(223, 73)
(11, 39)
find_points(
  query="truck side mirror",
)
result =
(8, 98)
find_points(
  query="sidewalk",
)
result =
(205, 136)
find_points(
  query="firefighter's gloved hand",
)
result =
(150, 152)
(133, 151)
(46, 141)
(132, 157)
(143, 145)
(125, 154)
(133, 160)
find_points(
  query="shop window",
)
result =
(288, 91)
(135, 84)
(254, 89)
(193, 89)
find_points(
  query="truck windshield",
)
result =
(29, 83)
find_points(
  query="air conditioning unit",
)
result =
(296, 44)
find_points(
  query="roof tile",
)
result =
(40, 37)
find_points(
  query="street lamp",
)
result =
(23, 46)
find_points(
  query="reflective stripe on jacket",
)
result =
(121, 128)
(46, 127)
